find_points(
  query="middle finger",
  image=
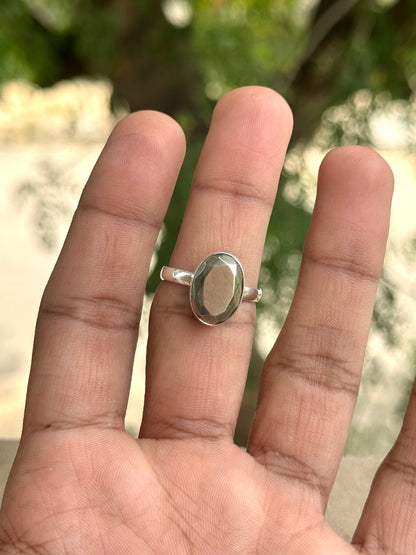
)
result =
(196, 374)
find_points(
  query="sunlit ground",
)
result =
(56, 135)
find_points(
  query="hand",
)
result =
(80, 483)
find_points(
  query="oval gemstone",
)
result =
(217, 288)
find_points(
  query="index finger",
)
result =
(310, 380)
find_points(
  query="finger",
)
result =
(87, 327)
(388, 522)
(311, 377)
(195, 382)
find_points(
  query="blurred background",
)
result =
(70, 70)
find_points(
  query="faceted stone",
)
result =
(217, 288)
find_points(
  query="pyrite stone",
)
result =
(217, 288)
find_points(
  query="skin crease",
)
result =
(81, 484)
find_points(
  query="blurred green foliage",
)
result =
(180, 56)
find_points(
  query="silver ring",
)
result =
(216, 288)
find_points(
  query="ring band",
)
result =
(217, 287)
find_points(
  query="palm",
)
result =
(102, 488)
(80, 484)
